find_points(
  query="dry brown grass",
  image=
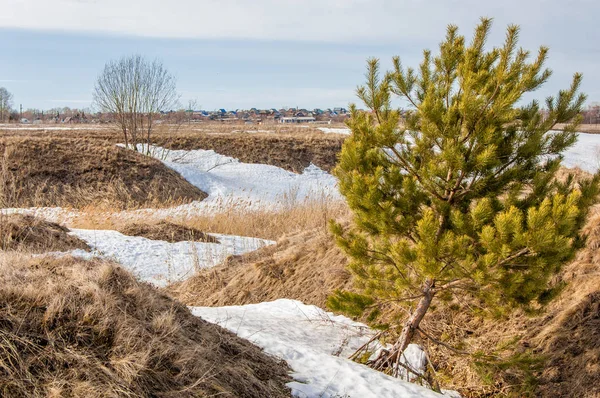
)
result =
(212, 127)
(30, 234)
(306, 266)
(583, 128)
(167, 231)
(264, 224)
(76, 173)
(74, 328)
(291, 152)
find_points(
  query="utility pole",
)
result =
(20, 112)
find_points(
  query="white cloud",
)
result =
(313, 20)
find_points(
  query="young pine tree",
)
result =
(458, 196)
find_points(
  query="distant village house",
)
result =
(297, 119)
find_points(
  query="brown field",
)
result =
(292, 147)
(583, 128)
(293, 153)
(263, 224)
(305, 265)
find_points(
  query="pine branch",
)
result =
(522, 252)
(456, 350)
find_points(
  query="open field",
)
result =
(584, 128)
(222, 220)
(290, 147)
(199, 200)
(170, 240)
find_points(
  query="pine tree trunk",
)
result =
(391, 358)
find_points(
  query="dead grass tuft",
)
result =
(77, 328)
(167, 231)
(27, 233)
(76, 173)
(577, 173)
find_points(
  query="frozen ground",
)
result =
(160, 262)
(315, 344)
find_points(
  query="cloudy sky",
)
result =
(268, 53)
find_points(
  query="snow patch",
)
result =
(585, 154)
(328, 130)
(316, 344)
(160, 262)
(230, 183)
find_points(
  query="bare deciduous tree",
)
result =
(192, 105)
(5, 103)
(135, 91)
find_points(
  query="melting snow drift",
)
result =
(328, 130)
(315, 344)
(160, 262)
(231, 183)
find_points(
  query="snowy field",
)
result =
(230, 183)
(585, 154)
(316, 344)
(160, 262)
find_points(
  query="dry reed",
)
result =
(234, 220)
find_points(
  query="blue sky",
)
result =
(267, 53)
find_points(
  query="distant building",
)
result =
(294, 119)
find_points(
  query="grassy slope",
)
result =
(30, 234)
(75, 328)
(308, 267)
(305, 266)
(85, 172)
(288, 152)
